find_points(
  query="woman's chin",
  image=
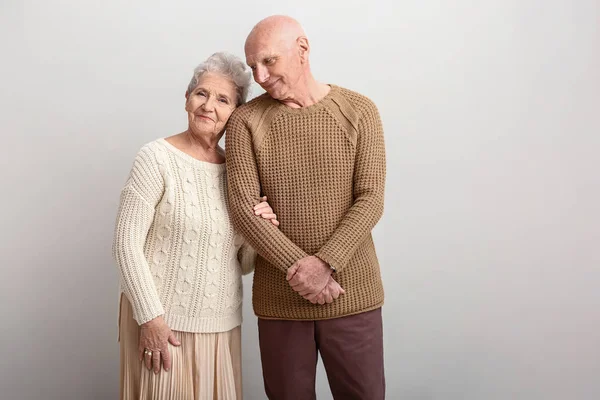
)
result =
(204, 126)
(204, 130)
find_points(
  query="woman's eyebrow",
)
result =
(224, 95)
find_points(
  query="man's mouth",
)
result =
(269, 85)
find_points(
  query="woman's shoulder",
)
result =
(154, 147)
(154, 152)
(150, 160)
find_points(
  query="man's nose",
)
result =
(261, 75)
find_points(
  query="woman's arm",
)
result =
(139, 197)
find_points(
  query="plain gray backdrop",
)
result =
(489, 244)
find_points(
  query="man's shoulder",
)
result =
(245, 111)
(360, 103)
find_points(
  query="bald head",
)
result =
(275, 31)
(277, 52)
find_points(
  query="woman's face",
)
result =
(210, 104)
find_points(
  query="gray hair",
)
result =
(229, 66)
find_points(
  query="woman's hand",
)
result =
(155, 336)
(264, 210)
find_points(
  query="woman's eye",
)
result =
(201, 94)
(223, 100)
(269, 61)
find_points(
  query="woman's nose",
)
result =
(208, 105)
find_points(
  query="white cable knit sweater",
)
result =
(174, 244)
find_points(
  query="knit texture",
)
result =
(174, 244)
(323, 170)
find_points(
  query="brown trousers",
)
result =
(351, 349)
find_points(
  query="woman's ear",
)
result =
(187, 100)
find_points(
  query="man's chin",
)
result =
(274, 93)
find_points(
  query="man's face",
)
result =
(276, 66)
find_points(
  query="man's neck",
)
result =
(308, 92)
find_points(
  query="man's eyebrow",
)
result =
(252, 60)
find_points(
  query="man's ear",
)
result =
(303, 48)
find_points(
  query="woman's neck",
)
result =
(200, 147)
(203, 143)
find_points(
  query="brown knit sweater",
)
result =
(322, 168)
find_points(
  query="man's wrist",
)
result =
(329, 266)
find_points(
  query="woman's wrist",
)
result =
(154, 322)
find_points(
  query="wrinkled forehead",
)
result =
(259, 47)
(216, 83)
(256, 57)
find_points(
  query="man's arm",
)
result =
(369, 182)
(244, 192)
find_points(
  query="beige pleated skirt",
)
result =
(207, 366)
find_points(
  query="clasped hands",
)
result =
(311, 278)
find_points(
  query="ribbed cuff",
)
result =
(204, 324)
(145, 310)
(329, 260)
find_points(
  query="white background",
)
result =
(490, 240)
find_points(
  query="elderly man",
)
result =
(317, 152)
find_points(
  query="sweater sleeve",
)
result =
(247, 258)
(369, 183)
(244, 192)
(139, 197)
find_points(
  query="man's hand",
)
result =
(309, 276)
(332, 291)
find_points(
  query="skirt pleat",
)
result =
(207, 366)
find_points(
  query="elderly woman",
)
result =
(178, 256)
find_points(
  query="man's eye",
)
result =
(253, 67)
(268, 61)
